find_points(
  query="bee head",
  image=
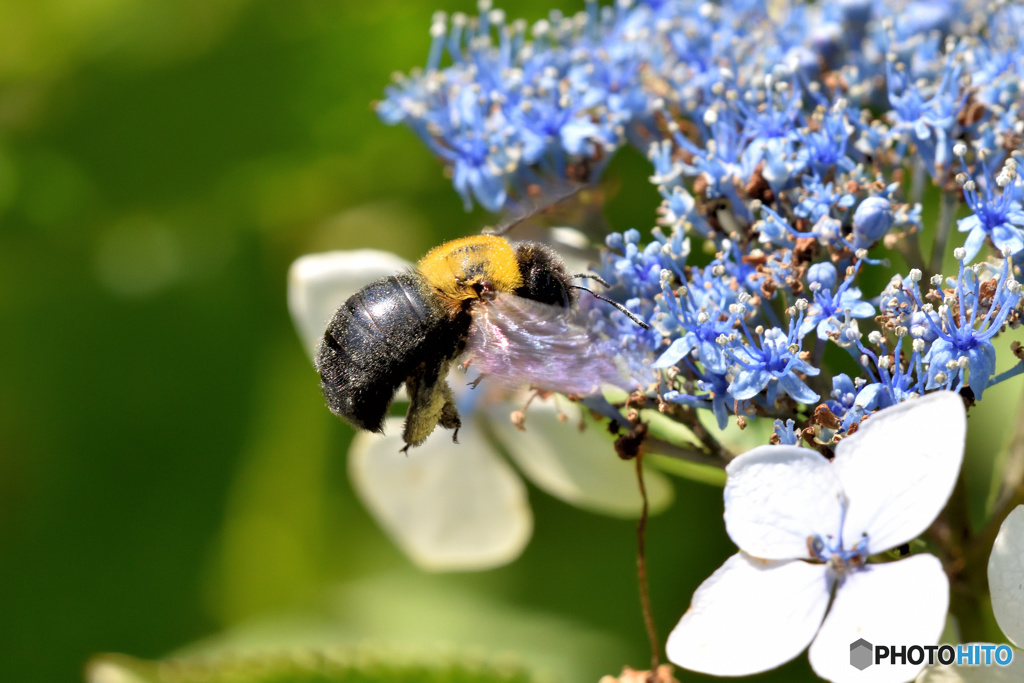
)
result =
(544, 276)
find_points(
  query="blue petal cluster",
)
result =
(796, 143)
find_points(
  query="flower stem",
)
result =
(1003, 376)
(947, 209)
(910, 249)
(917, 183)
(641, 572)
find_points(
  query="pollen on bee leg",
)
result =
(431, 403)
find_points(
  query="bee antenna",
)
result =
(592, 276)
(617, 305)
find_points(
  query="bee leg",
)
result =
(449, 413)
(430, 404)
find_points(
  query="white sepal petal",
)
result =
(1006, 577)
(751, 615)
(450, 507)
(778, 496)
(898, 470)
(579, 467)
(319, 283)
(896, 603)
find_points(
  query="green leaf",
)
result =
(406, 620)
(341, 665)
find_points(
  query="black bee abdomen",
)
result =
(544, 276)
(387, 331)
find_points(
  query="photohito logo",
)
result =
(860, 654)
(863, 654)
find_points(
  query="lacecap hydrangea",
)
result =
(796, 144)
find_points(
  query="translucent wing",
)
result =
(520, 342)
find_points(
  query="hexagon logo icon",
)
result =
(861, 654)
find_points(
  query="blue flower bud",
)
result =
(823, 273)
(871, 221)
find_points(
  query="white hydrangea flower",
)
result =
(1006, 577)
(805, 527)
(1006, 585)
(463, 507)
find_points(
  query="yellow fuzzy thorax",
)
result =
(455, 267)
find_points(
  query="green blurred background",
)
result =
(169, 477)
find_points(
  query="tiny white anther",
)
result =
(959, 253)
(941, 377)
(801, 304)
(914, 275)
(918, 345)
(959, 149)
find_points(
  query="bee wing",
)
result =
(518, 342)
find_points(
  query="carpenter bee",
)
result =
(509, 307)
